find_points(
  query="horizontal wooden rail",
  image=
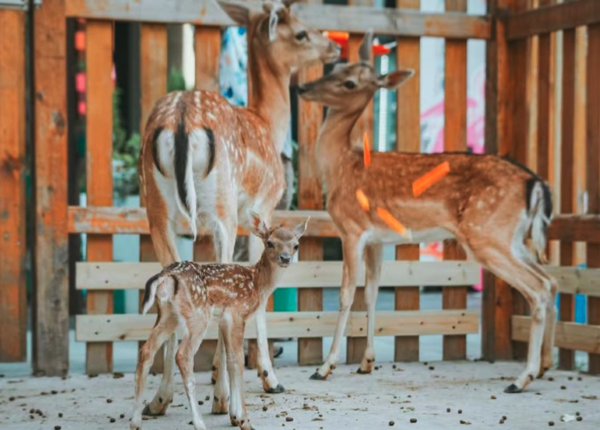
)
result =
(324, 17)
(108, 328)
(569, 335)
(114, 220)
(556, 17)
(573, 280)
(303, 274)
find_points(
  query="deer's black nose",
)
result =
(302, 89)
(285, 258)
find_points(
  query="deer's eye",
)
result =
(349, 85)
(301, 35)
(296, 247)
(270, 244)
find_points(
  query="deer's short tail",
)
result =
(539, 206)
(161, 287)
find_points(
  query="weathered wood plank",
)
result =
(310, 196)
(325, 17)
(569, 335)
(292, 324)
(563, 16)
(455, 139)
(13, 298)
(303, 274)
(51, 295)
(593, 168)
(99, 66)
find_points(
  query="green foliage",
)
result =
(125, 153)
(176, 80)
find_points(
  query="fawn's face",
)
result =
(281, 243)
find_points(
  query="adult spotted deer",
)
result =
(189, 294)
(212, 161)
(488, 204)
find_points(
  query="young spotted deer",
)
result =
(212, 161)
(488, 204)
(187, 295)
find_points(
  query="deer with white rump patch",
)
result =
(213, 161)
(188, 294)
(488, 204)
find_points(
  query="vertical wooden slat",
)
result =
(13, 299)
(593, 167)
(455, 139)
(153, 85)
(355, 346)
(207, 46)
(566, 357)
(99, 119)
(310, 196)
(408, 132)
(51, 298)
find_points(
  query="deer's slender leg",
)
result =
(221, 396)
(352, 247)
(160, 333)
(164, 395)
(196, 328)
(373, 258)
(514, 270)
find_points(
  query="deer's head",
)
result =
(350, 87)
(284, 39)
(281, 243)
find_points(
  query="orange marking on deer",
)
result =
(363, 201)
(430, 178)
(391, 221)
(367, 150)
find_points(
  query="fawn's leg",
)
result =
(373, 258)
(196, 324)
(164, 395)
(166, 325)
(353, 249)
(220, 404)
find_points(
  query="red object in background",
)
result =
(342, 37)
(80, 40)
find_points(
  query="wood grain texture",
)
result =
(99, 85)
(455, 139)
(13, 298)
(207, 47)
(325, 17)
(310, 196)
(408, 135)
(292, 324)
(153, 85)
(51, 253)
(593, 168)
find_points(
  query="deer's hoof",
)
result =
(148, 412)
(277, 390)
(317, 377)
(220, 406)
(512, 389)
(363, 372)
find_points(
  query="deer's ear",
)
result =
(258, 226)
(300, 229)
(236, 11)
(364, 52)
(394, 79)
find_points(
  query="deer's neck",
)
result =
(269, 94)
(266, 277)
(334, 144)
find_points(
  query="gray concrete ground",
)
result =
(471, 391)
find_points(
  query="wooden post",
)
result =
(310, 196)
(566, 357)
(593, 168)
(506, 134)
(51, 292)
(408, 132)
(455, 139)
(355, 346)
(99, 66)
(207, 46)
(153, 83)
(13, 299)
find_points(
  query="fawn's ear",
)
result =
(300, 229)
(394, 79)
(258, 226)
(236, 11)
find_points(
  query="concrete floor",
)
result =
(421, 391)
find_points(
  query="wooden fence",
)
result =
(521, 115)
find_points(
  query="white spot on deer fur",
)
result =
(176, 98)
(479, 204)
